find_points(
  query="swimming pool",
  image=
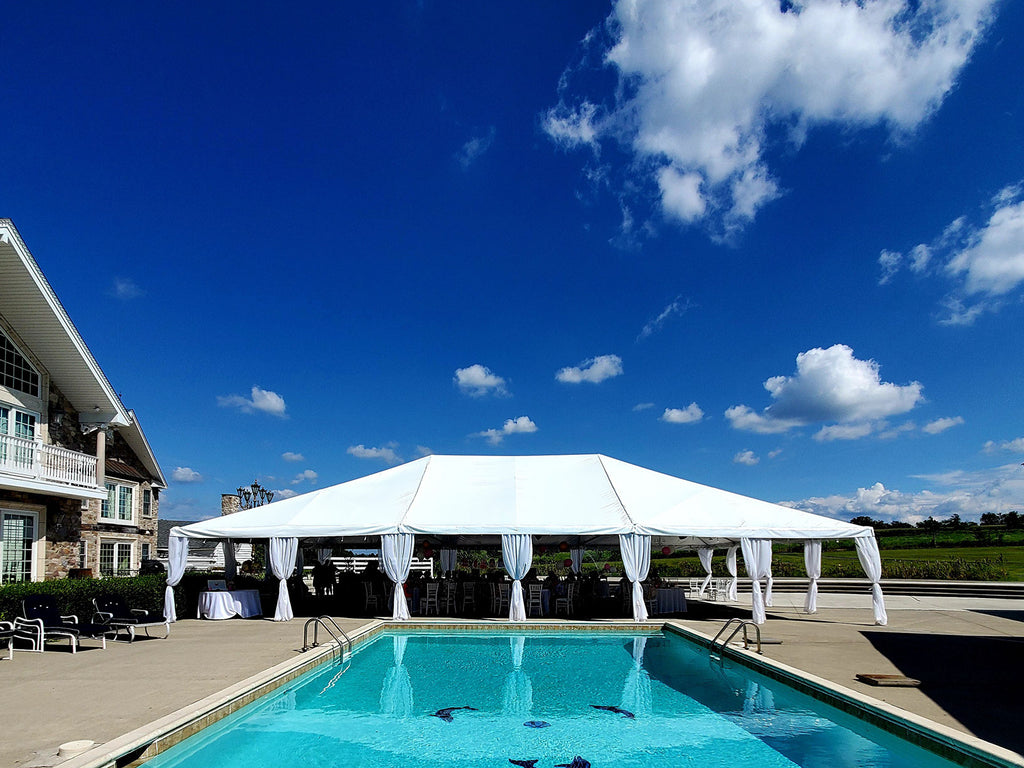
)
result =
(535, 699)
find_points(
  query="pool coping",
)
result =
(144, 743)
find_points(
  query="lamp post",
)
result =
(250, 498)
(253, 496)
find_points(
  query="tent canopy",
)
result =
(591, 496)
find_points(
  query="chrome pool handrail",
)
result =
(741, 624)
(321, 621)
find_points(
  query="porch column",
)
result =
(101, 457)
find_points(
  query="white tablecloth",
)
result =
(670, 600)
(224, 605)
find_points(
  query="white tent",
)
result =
(594, 498)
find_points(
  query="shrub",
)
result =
(74, 596)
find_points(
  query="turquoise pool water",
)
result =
(405, 699)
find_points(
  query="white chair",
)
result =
(722, 589)
(448, 599)
(504, 594)
(566, 603)
(693, 588)
(430, 601)
(468, 596)
(371, 598)
(536, 600)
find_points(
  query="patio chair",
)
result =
(448, 599)
(371, 597)
(504, 595)
(693, 589)
(7, 636)
(566, 602)
(430, 601)
(468, 596)
(535, 600)
(42, 621)
(112, 611)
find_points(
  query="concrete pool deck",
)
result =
(965, 651)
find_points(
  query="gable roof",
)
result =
(590, 496)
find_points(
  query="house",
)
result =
(79, 484)
(202, 555)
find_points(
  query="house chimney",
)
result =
(228, 503)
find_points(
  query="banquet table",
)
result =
(225, 604)
(670, 600)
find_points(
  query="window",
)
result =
(15, 422)
(115, 558)
(15, 371)
(147, 503)
(145, 551)
(119, 506)
(19, 533)
(83, 554)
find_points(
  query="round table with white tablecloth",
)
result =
(225, 604)
(670, 600)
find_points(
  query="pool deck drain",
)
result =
(136, 689)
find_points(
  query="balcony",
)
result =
(30, 465)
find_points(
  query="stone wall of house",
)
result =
(66, 434)
(229, 503)
(63, 532)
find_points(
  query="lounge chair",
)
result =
(7, 636)
(42, 621)
(112, 611)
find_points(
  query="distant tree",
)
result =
(865, 520)
(991, 518)
(953, 522)
(1013, 520)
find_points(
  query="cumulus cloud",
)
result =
(262, 400)
(677, 307)
(285, 493)
(968, 494)
(984, 262)
(306, 476)
(691, 414)
(1013, 446)
(291, 456)
(478, 380)
(745, 457)
(595, 370)
(386, 454)
(519, 425)
(186, 475)
(941, 425)
(831, 387)
(474, 148)
(701, 85)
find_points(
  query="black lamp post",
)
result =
(253, 496)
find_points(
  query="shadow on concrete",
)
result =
(977, 680)
(1007, 614)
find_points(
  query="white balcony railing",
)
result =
(37, 461)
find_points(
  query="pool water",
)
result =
(473, 700)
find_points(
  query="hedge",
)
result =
(74, 596)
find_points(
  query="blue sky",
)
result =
(778, 250)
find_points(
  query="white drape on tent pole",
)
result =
(704, 554)
(449, 558)
(576, 555)
(177, 558)
(396, 557)
(871, 562)
(730, 566)
(517, 554)
(636, 560)
(283, 553)
(757, 560)
(230, 562)
(812, 562)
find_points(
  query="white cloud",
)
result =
(773, 454)
(968, 494)
(126, 289)
(291, 456)
(478, 381)
(642, 406)
(261, 400)
(285, 493)
(474, 148)
(186, 475)
(700, 85)
(386, 454)
(519, 425)
(1014, 446)
(941, 425)
(677, 307)
(422, 450)
(985, 262)
(745, 457)
(307, 475)
(691, 414)
(830, 386)
(595, 370)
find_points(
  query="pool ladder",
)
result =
(740, 624)
(321, 621)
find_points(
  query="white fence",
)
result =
(39, 461)
(358, 564)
